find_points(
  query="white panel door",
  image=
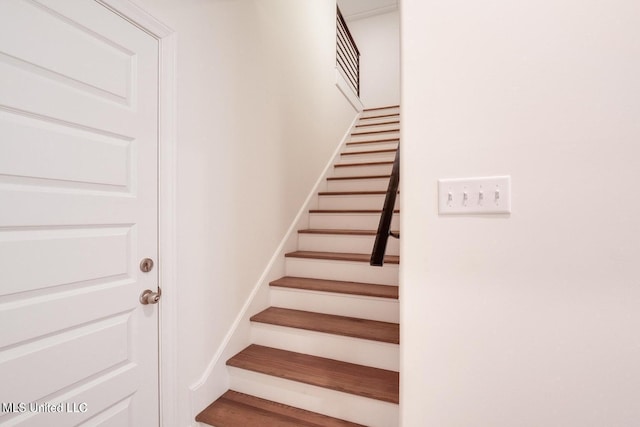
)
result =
(78, 211)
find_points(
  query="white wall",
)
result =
(378, 40)
(258, 118)
(532, 319)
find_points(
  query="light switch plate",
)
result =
(484, 195)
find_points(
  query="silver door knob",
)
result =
(146, 265)
(150, 297)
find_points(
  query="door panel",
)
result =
(46, 258)
(106, 66)
(78, 211)
(92, 161)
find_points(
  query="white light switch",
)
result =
(485, 195)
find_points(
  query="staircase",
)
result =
(326, 353)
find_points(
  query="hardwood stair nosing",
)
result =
(340, 256)
(372, 330)
(381, 108)
(350, 211)
(379, 116)
(346, 165)
(374, 141)
(374, 383)
(394, 122)
(353, 193)
(341, 231)
(235, 407)
(339, 178)
(373, 132)
(359, 153)
(337, 286)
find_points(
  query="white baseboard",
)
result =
(215, 380)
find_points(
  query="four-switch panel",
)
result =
(487, 195)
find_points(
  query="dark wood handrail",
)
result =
(384, 226)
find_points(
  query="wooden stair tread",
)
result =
(340, 256)
(337, 286)
(331, 324)
(393, 122)
(352, 193)
(354, 153)
(373, 132)
(343, 165)
(234, 409)
(344, 211)
(340, 178)
(350, 378)
(379, 116)
(373, 141)
(341, 231)
(381, 108)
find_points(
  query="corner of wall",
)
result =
(349, 94)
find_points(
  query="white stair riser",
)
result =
(358, 409)
(343, 243)
(363, 170)
(349, 271)
(373, 145)
(363, 136)
(371, 308)
(370, 184)
(381, 111)
(376, 124)
(376, 127)
(350, 221)
(355, 201)
(352, 350)
(366, 116)
(394, 110)
(368, 157)
(377, 120)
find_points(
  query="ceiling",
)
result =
(358, 9)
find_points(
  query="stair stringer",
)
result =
(215, 380)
